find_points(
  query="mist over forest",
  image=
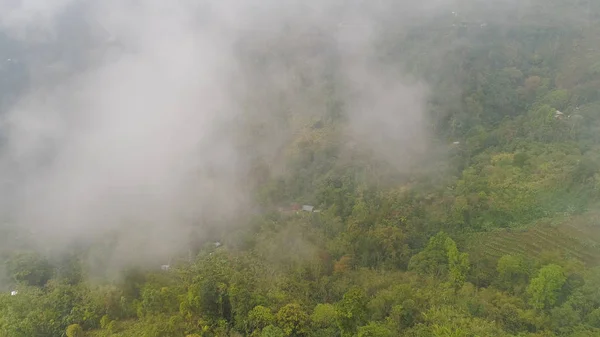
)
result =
(299, 168)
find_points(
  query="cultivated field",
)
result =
(577, 237)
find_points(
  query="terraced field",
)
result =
(577, 237)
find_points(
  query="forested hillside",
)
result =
(486, 225)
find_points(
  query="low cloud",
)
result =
(148, 132)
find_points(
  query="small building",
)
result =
(456, 143)
(13, 293)
(558, 115)
(217, 244)
(308, 208)
(165, 267)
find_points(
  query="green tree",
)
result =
(74, 330)
(433, 260)
(293, 320)
(324, 322)
(402, 316)
(351, 311)
(458, 264)
(272, 331)
(260, 317)
(543, 290)
(513, 272)
(564, 319)
(374, 329)
(440, 258)
(323, 315)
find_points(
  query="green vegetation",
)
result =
(498, 237)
